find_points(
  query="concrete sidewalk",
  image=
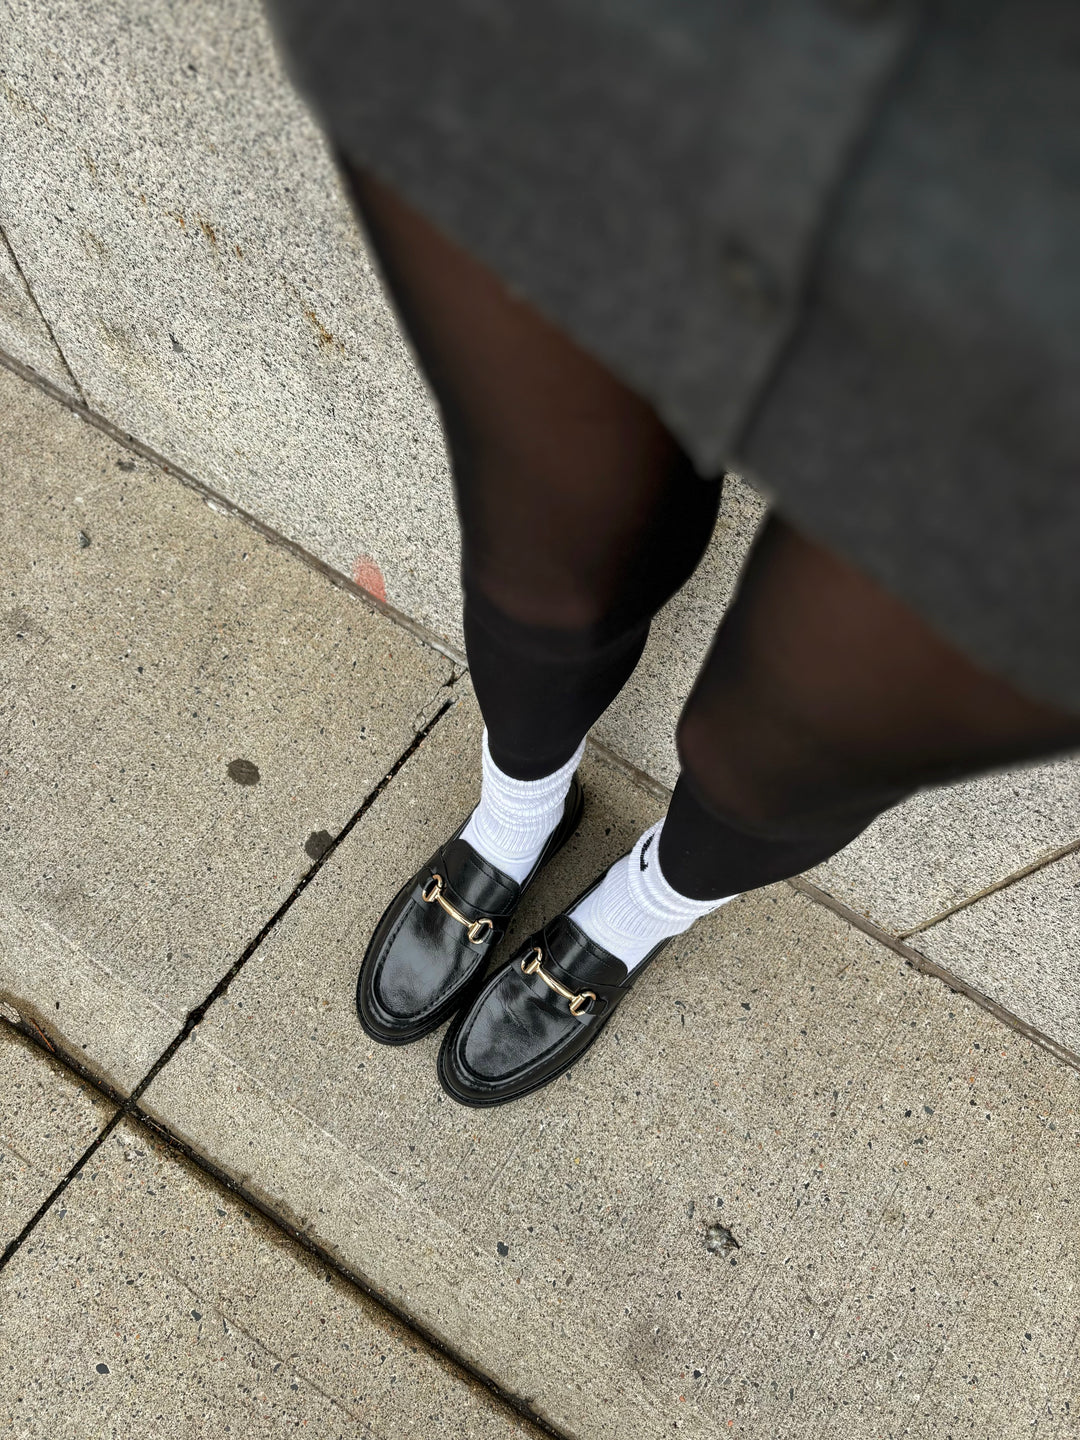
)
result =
(805, 1188)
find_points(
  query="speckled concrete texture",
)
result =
(47, 1119)
(187, 714)
(23, 333)
(149, 1302)
(184, 231)
(798, 1187)
(1020, 945)
(943, 846)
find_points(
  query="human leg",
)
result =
(822, 702)
(580, 516)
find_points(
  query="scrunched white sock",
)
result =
(515, 817)
(634, 908)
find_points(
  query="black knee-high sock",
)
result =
(705, 857)
(540, 690)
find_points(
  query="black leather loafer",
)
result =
(536, 1015)
(430, 949)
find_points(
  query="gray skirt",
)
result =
(836, 243)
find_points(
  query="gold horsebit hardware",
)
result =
(477, 930)
(530, 965)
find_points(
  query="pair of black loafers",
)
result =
(537, 1013)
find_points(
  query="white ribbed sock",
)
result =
(515, 817)
(634, 908)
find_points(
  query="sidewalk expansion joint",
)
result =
(221, 505)
(128, 1106)
(326, 1258)
(926, 966)
(131, 1111)
(1050, 858)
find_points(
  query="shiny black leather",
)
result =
(520, 1034)
(420, 965)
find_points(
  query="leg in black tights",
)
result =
(823, 700)
(580, 515)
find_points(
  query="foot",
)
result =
(634, 906)
(430, 949)
(537, 1015)
(515, 818)
(545, 1007)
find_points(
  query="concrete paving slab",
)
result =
(708, 1222)
(47, 1119)
(1022, 946)
(943, 846)
(184, 230)
(188, 713)
(23, 333)
(151, 1302)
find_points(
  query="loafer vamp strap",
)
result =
(571, 990)
(479, 928)
(474, 881)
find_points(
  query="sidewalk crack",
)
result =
(926, 966)
(1003, 884)
(42, 316)
(128, 1107)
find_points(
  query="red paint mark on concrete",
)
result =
(369, 577)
